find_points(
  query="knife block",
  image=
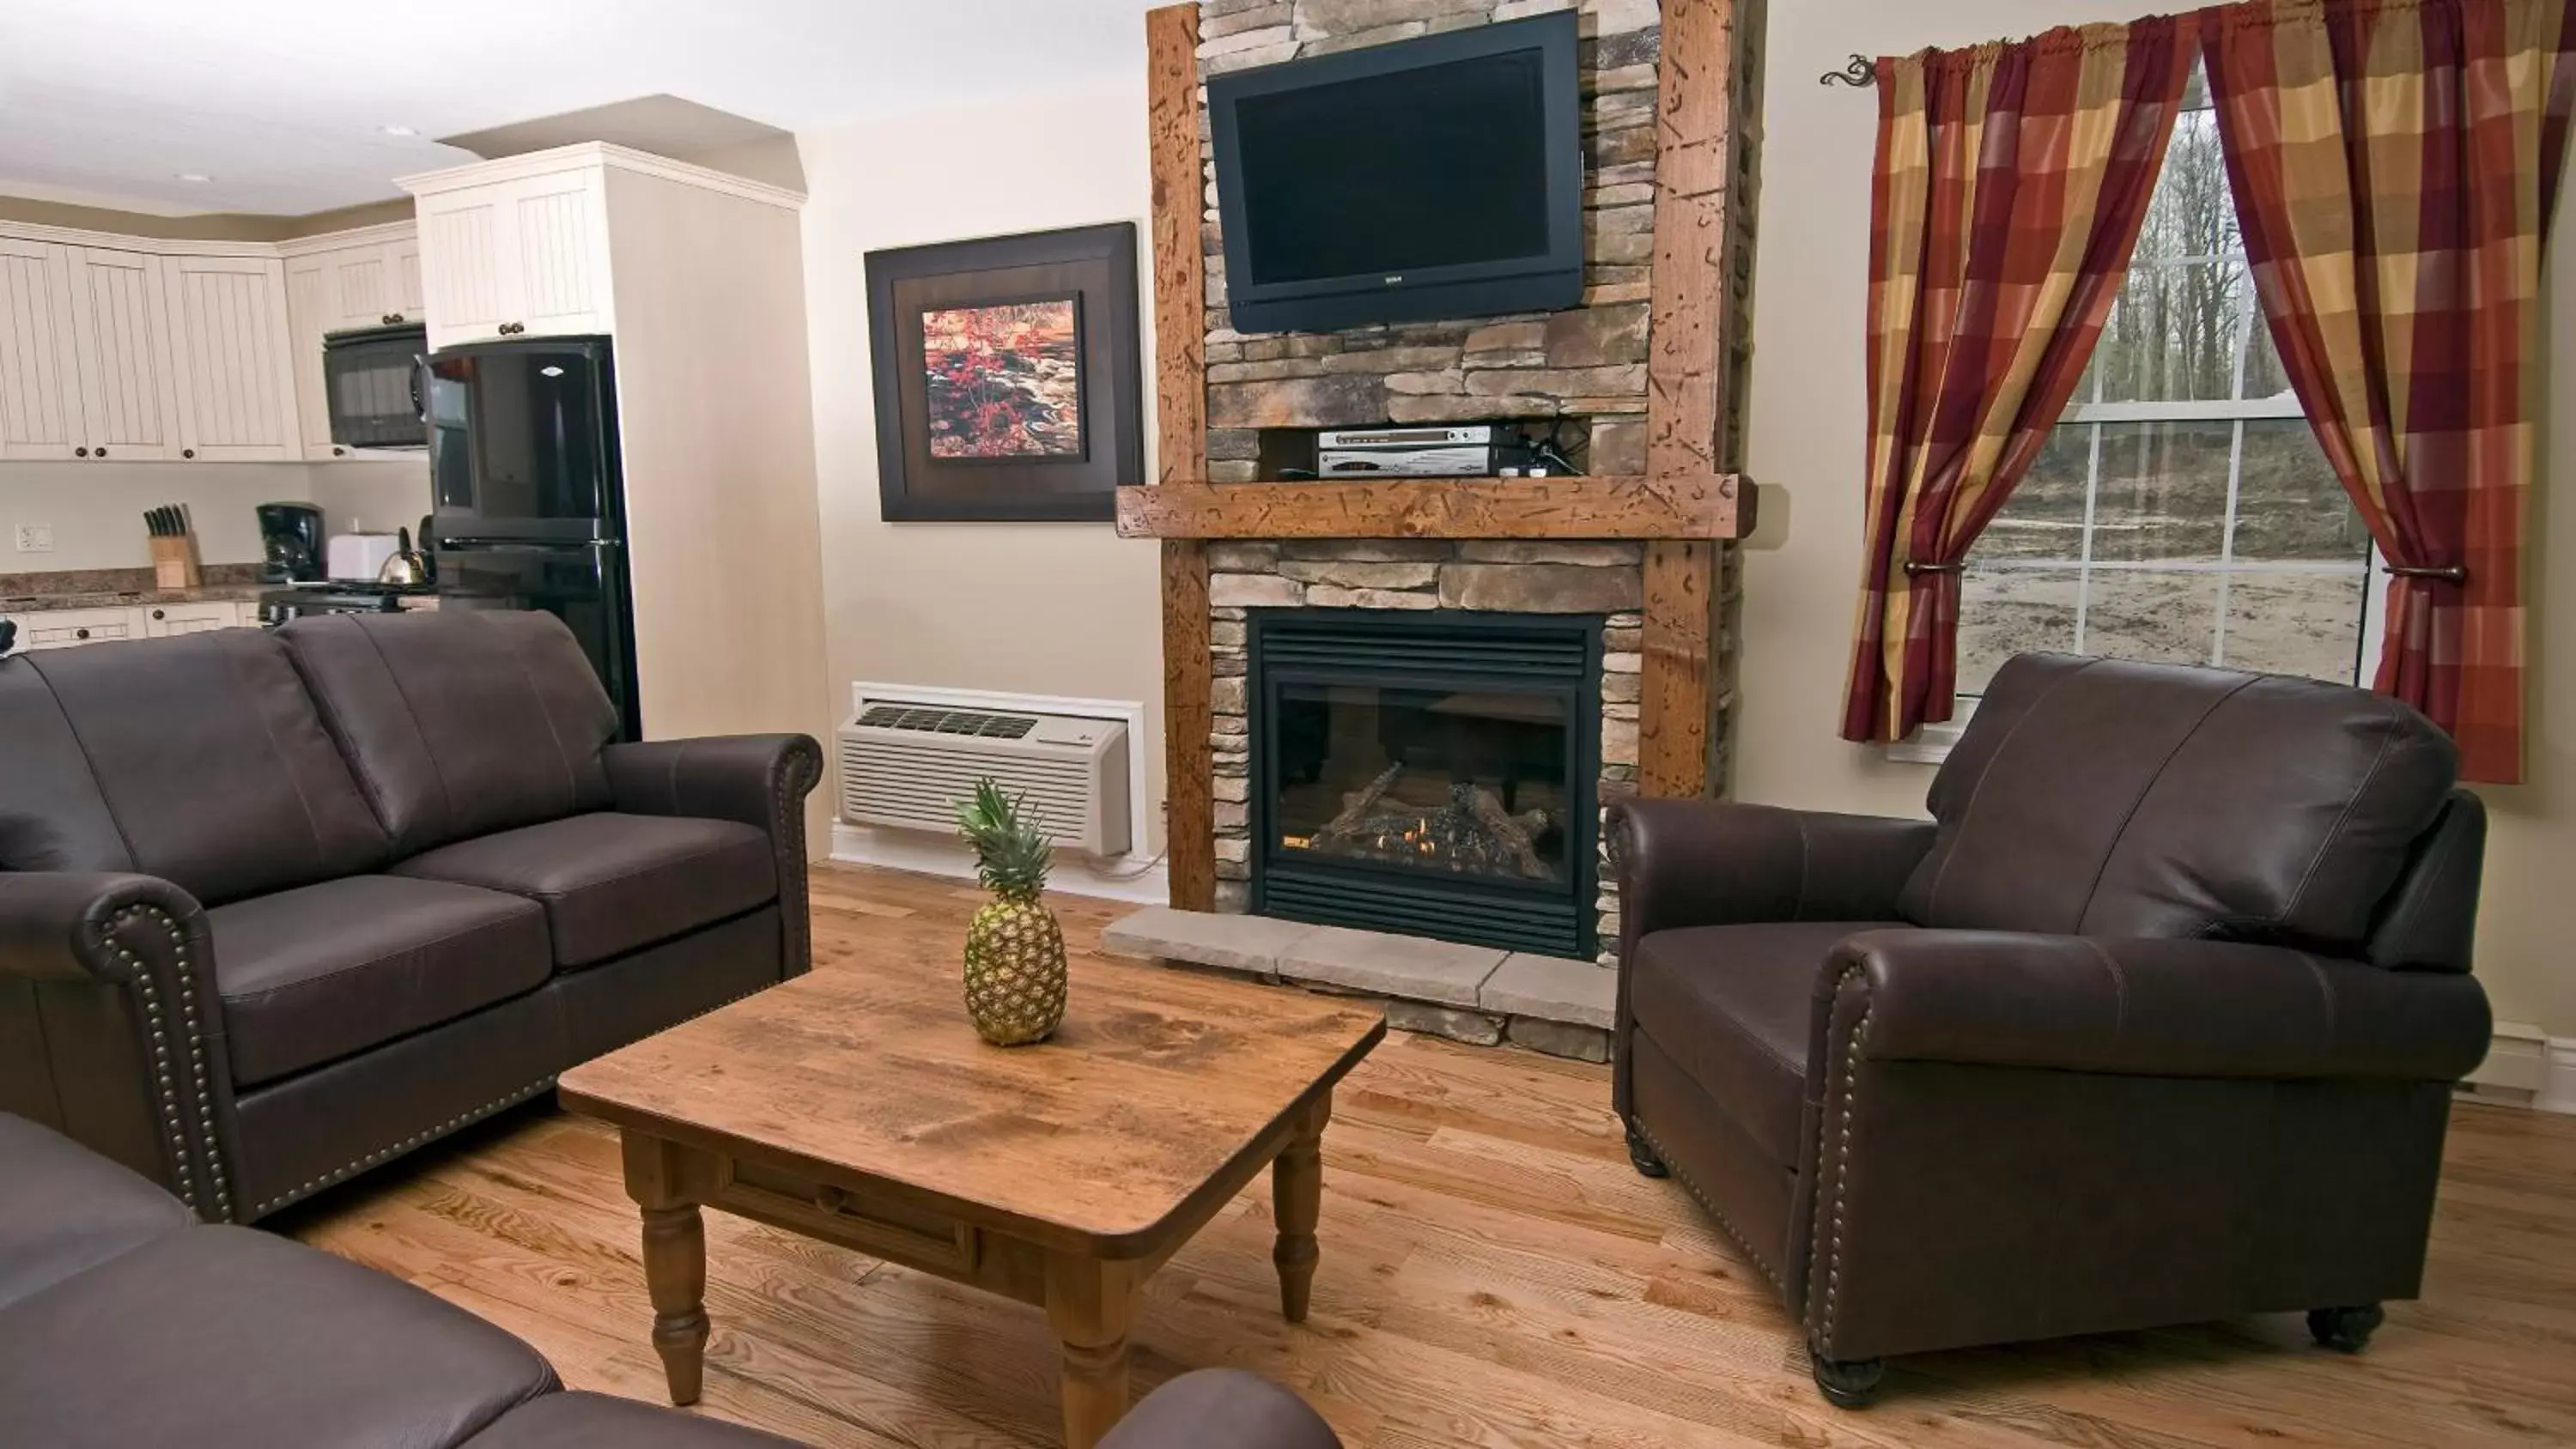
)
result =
(174, 562)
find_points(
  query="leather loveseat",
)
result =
(276, 907)
(123, 1325)
(2155, 1021)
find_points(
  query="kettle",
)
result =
(408, 568)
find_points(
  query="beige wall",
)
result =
(1807, 451)
(96, 509)
(1063, 609)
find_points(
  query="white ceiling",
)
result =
(281, 102)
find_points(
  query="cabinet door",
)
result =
(121, 336)
(362, 287)
(559, 224)
(71, 628)
(312, 310)
(402, 268)
(160, 621)
(466, 245)
(39, 373)
(236, 376)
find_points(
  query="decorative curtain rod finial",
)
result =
(1860, 75)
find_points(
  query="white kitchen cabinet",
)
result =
(161, 621)
(71, 628)
(512, 253)
(39, 373)
(120, 314)
(344, 283)
(235, 375)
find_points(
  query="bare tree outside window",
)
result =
(2182, 511)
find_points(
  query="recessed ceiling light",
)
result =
(194, 176)
(398, 130)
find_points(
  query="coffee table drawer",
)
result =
(933, 1242)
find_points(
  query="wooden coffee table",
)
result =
(856, 1105)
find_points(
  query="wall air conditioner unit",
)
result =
(908, 765)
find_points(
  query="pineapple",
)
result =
(1014, 950)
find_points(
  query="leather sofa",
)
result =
(276, 907)
(123, 1323)
(2155, 1021)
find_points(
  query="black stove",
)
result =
(338, 596)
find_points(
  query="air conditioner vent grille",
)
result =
(949, 721)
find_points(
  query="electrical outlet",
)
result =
(35, 538)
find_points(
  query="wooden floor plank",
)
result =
(1493, 1275)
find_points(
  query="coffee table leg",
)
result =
(1297, 1200)
(1090, 1305)
(675, 1260)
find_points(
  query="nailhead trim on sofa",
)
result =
(1832, 1251)
(183, 1151)
(1709, 1205)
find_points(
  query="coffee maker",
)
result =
(291, 534)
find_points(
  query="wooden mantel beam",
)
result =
(1708, 508)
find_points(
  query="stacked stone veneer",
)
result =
(1587, 363)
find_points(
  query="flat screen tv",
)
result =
(1437, 177)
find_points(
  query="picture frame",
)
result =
(1008, 376)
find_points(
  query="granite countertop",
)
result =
(124, 589)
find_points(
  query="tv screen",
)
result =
(1439, 177)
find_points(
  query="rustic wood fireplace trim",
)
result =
(1689, 505)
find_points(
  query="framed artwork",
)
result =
(1008, 376)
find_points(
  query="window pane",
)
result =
(2264, 376)
(2173, 335)
(2289, 503)
(2288, 623)
(2004, 612)
(2164, 618)
(2164, 492)
(2045, 517)
(2193, 214)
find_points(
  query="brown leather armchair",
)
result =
(2156, 1021)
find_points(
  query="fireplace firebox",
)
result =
(1432, 774)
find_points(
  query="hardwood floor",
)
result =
(1493, 1274)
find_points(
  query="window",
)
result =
(2183, 511)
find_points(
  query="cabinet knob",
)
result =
(158, 614)
(101, 453)
(187, 452)
(393, 317)
(339, 452)
(80, 633)
(80, 452)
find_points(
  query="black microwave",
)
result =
(372, 378)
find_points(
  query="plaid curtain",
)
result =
(2395, 164)
(2012, 183)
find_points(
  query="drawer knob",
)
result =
(80, 633)
(80, 452)
(102, 452)
(187, 452)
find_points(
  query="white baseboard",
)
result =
(2558, 1093)
(2526, 1067)
(924, 853)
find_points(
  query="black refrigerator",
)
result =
(528, 503)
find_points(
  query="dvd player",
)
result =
(1428, 452)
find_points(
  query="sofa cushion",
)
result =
(226, 1338)
(199, 759)
(310, 975)
(1730, 1006)
(611, 883)
(459, 722)
(596, 1421)
(65, 1209)
(2098, 797)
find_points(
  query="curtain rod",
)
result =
(1860, 75)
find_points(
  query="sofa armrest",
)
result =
(1221, 1409)
(2167, 1008)
(111, 1030)
(756, 780)
(1715, 863)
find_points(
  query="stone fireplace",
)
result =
(1527, 599)
(1428, 772)
(1336, 754)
